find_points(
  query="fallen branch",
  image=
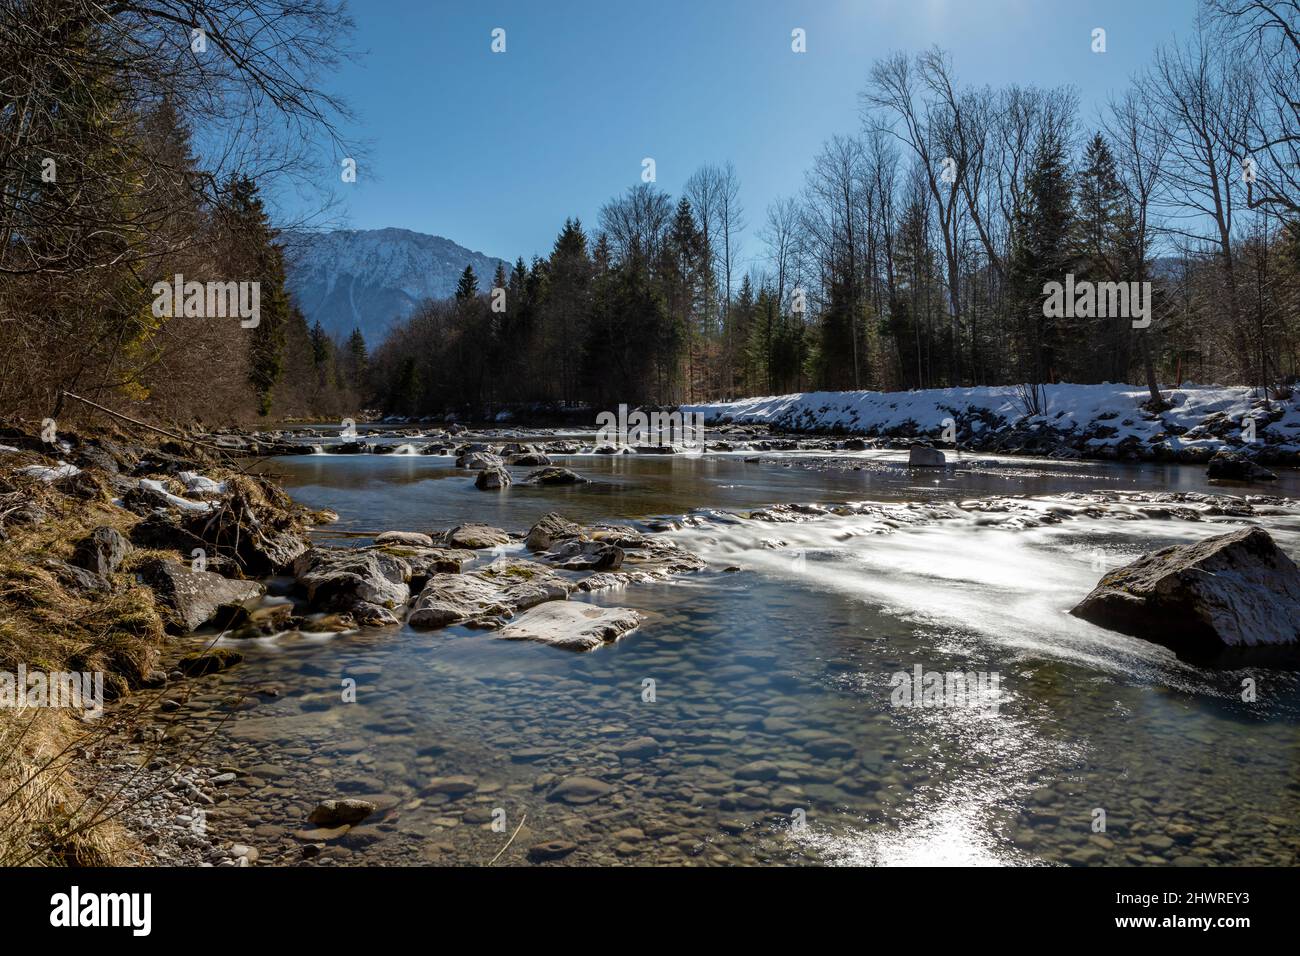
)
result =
(510, 841)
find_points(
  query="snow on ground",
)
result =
(1069, 408)
(197, 484)
(51, 475)
(175, 500)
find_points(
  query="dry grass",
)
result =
(45, 819)
(48, 757)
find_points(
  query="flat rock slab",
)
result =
(572, 625)
(1235, 593)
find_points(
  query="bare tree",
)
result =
(1141, 147)
(1264, 39)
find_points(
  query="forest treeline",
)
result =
(917, 251)
(104, 109)
(140, 141)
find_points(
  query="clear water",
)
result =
(772, 735)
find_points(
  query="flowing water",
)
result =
(749, 719)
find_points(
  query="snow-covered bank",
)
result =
(1094, 421)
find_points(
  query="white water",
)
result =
(972, 580)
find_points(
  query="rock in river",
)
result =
(336, 579)
(572, 625)
(1231, 597)
(485, 598)
(577, 555)
(551, 527)
(923, 456)
(476, 536)
(492, 479)
(335, 813)
(554, 475)
(1231, 466)
(412, 538)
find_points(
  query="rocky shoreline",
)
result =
(189, 537)
(177, 537)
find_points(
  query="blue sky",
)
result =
(495, 150)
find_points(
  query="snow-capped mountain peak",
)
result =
(372, 278)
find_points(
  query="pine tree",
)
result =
(357, 362)
(320, 345)
(262, 261)
(467, 287)
(1041, 254)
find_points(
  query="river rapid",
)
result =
(752, 717)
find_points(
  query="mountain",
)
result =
(370, 278)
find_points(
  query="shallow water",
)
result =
(770, 734)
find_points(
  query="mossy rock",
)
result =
(209, 661)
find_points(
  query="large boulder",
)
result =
(1232, 466)
(572, 625)
(1230, 598)
(487, 597)
(339, 579)
(192, 598)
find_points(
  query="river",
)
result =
(749, 719)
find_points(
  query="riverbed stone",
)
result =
(340, 812)
(550, 850)
(579, 791)
(208, 662)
